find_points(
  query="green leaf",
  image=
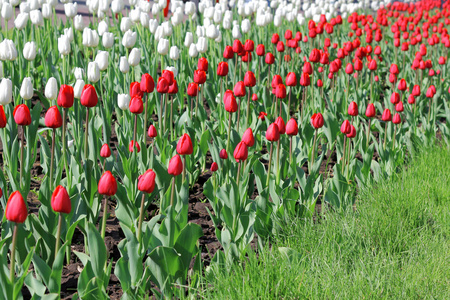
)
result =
(97, 249)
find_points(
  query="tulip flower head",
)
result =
(3, 120)
(281, 126)
(240, 152)
(346, 127)
(184, 146)
(386, 115)
(317, 120)
(292, 127)
(105, 151)
(65, 96)
(147, 84)
(22, 115)
(16, 209)
(239, 89)
(152, 133)
(89, 96)
(248, 137)
(223, 154)
(131, 146)
(352, 132)
(53, 117)
(353, 109)
(60, 200)
(397, 119)
(175, 166)
(107, 184)
(214, 167)
(146, 182)
(370, 110)
(273, 133)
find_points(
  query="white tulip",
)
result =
(36, 17)
(152, 25)
(7, 11)
(103, 6)
(78, 72)
(108, 40)
(69, 33)
(125, 24)
(26, 90)
(123, 101)
(144, 19)
(236, 33)
(135, 15)
(167, 28)
(78, 22)
(217, 16)
(14, 3)
(29, 51)
(193, 50)
(200, 31)
(202, 45)
(129, 39)
(52, 3)
(90, 38)
(92, 5)
(24, 7)
(8, 50)
(145, 6)
(159, 33)
(174, 53)
(51, 89)
(155, 9)
(102, 28)
(277, 21)
(117, 6)
(5, 91)
(63, 45)
(93, 72)
(124, 66)
(102, 60)
(177, 19)
(34, 4)
(163, 46)
(173, 70)
(189, 39)
(209, 12)
(71, 9)
(189, 8)
(211, 32)
(21, 21)
(135, 57)
(219, 36)
(245, 26)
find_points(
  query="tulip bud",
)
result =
(65, 96)
(273, 133)
(222, 69)
(22, 115)
(239, 89)
(214, 167)
(107, 184)
(147, 84)
(346, 127)
(395, 98)
(163, 47)
(184, 146)
(29, 51)
(125, 24)
(70, 9)
(248, 137)
(175, 166)
(174, 53)
(280, 92)
(26, 90)
(223, 154)
(146, 182)
(78, 22)
(386, 115)
(60, 200)
(370, 110)
(280, 123)
(352, 132)
(240, 152)
(135, 57)
(2, 121)
(102, 60)
(36, 17)
(108, 40)
(228, 53)
(7, 12)
(123, 101)
(199, 76)
(51, 89)
(249, 79)
(152, 133)
(129, 39)
(136, 105)
(93, 72)
(124, 67)
(188, 40)
(399, 106)
(192, 89)
(7, 50)
(16, 209)
(397, 119)
(353, 109)
(260, 50)
(132, 145)
(292, 127)
(291, 79)
(105, 151)
(162, 86)
(317, 120)
(90, 38)
(53, 117)
(89, 96)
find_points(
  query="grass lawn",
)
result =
(395, 246)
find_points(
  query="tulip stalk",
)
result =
(270, 164)
(184, 167)
(171, 118)
(13, 254)
(313, 151)
(393, 137)
(343, 154)
(278, 163)
(172, 192)
(86, 134)
(52, 155)
(134, 132)
(290, 149)
(104, 218)
(368, 133)
(22, 140)
(141, 216)
(228, 135)
(238, 172)
(248, 106)
(385, 135)
(160, 115)
(58, 234)
(239, 113)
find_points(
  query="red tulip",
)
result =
(239, 89)
(280, 46)
(411, 99)
(89, 96)
(260, 50)
(228, 53)
(395, 98)
(223, 154)
(199, 77)
(353, 109)
(304, 80)
(402, 85)
(147, 84)
(2, 117)
(249, 79)
(429, 94)
(175, 166)
(53, 117)
(291, 79)
(152, 133)
(349, 69)
(230, 102)
(254, 97)
(22, 115)
(136, 105)
(60, 200)
(352, 132)
(173, 89)
(105, 151)
(280, 92)
(314, 56)
(273, 133)
(386, 115)
(131, 146)
(241, 152)
(292, 127)
(358, 64)
(346, 127)
(184, 146)
(317, 120)
(168, 75)
(262, 115)
(249, 46)
(146, 182)
(370, 110)
(192, 89)
(65, 96)
(107, 184)
(16, 209)
(214, 167)
(372, 65)
(270, 59)
(248, 138)
(394, 69)
(222, 69)
(275, 38)
(397, 119)
(320, 83)
(202, 64)
(162, 86)
(135, 89)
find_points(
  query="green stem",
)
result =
(134, 132)
(368, 133)
(184, 167)
(385, 135)
(313, 151)
(238, 172)
(141, 216)
(104, 218)
(86, 134)
(228, 135)
(248, 106)
(22, 140)
(58, 235)
(172, 191)
(52, 158)
(13, 254)
(278, 163)
(270, 164)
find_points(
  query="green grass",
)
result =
(396, 246)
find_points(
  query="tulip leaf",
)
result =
(98, 249)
